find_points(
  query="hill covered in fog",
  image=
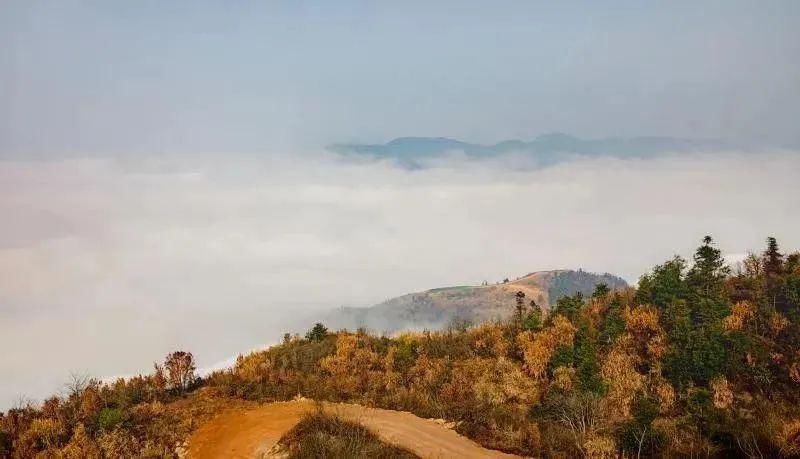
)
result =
(441, 307)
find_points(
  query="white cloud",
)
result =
(107, 265)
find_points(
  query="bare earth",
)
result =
(252, 432)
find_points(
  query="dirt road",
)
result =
(251, 432)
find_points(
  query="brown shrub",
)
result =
(81, 446)
(564, 378)
(741, 314)
(723, 395)
(489, 340)
(537, 348)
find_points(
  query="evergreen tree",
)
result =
(600, 290)
(533, 321)
(586, 360)
(664, 285)
(569, 306)
(613, 323)
(773, 258)
(773, 270)
(317, 333)
(520, 306)
(706, 353)
(706, 283)
(709, 271)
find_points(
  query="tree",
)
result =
(773, 258)
(520, 306)
(585, 355)
(158, 382)
(568, 306)
(317, 333)
(700, 348)
(613, 322)
(706, 283)
(638, 435)
(709, 270)
(664, 285)
(581, 413)
(533, 321)
(180, 367)
(773, 269)
(600, 290)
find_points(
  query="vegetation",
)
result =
(317, 333)
(700, 360)
(568, 283)
(321, 434)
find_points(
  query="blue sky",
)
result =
(121, 77)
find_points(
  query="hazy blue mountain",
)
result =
(545, 149)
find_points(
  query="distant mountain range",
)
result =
(545, 150)
(437, 308)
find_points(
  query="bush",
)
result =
(110, 418)
(320, 434)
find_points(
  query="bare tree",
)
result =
(180, 367)
(748, 444)
(639, 437)
(583, 415)
(78, 382)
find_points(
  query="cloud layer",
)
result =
(108, 264)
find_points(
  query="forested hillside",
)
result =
(700, 360)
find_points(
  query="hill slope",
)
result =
(437, 308)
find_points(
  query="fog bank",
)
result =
(108, 264)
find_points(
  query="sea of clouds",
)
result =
(107, 264)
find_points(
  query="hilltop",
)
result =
(440, 307)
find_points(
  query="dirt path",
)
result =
(250, 433)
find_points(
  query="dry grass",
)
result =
(323, 435)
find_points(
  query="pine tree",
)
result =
(773, 258)
(586, 360)
(709, 270)
(533, 321)
(600, 290)
(317, 333)
(613, 322)
(773, 269)
(520, 306)
(706, 282)
(704, 353)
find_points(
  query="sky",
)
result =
(133, 77)
(164, 183)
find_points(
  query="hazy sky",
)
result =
(163, 184)
(144, 76)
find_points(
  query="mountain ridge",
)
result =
(440, 307)
(546, 149)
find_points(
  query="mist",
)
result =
(107, 264)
